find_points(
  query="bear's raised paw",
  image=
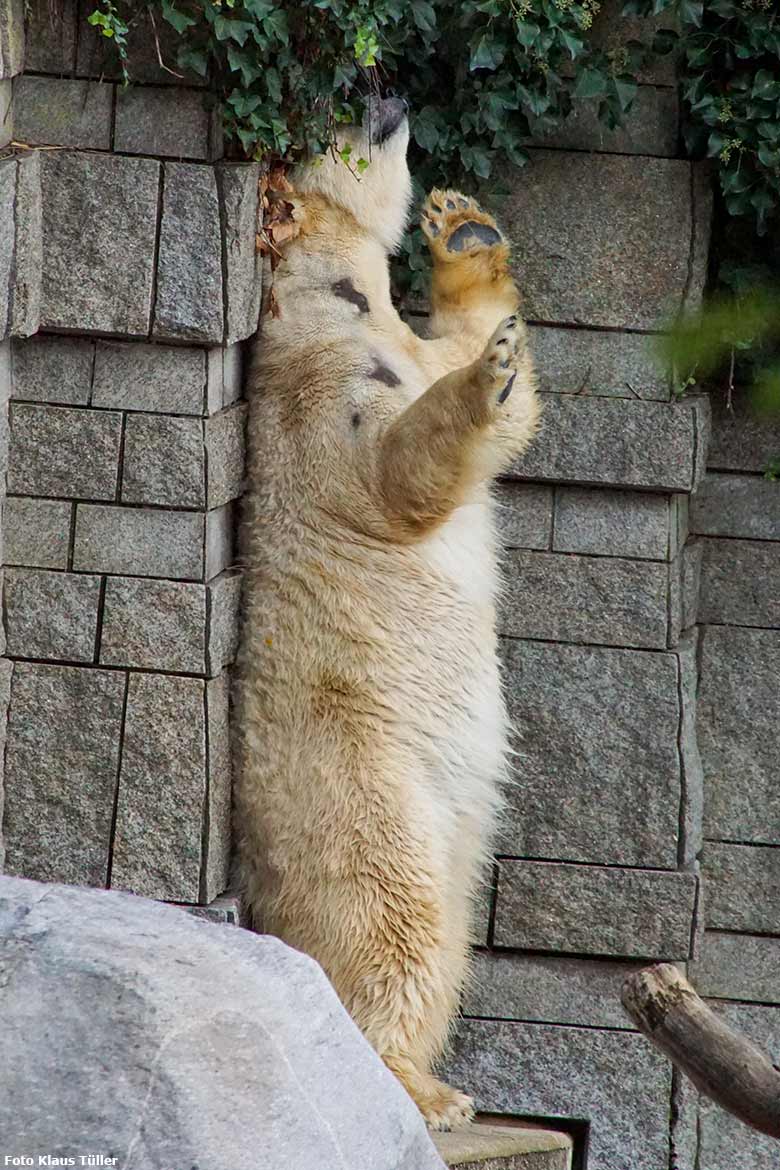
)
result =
(499, 359)
(455, 225)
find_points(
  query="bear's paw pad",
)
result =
(471, 235)
(456, 224)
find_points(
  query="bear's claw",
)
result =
(501, 355)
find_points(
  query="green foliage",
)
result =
(731, 88)
(106, 18)
(730, 77)
(482, 76)
(698, 348)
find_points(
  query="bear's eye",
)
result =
(356, 419)
(345, 289)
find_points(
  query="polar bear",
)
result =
(371, 729)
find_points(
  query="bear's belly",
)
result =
(466, 736)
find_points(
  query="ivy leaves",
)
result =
(481, 75)
(731, 89)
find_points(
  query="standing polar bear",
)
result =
(372, 731)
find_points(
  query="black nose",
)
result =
(387, 116)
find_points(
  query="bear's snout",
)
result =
(387, 116)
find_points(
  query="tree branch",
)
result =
(721, 1063)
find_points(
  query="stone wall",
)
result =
(639, 627)
(737, 514)
(641, 654)
(128, 256)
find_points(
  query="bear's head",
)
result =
(379, 196)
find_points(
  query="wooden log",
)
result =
(721, 1063)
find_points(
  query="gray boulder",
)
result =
(144, 1034)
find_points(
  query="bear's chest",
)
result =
(463, 553)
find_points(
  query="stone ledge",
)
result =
(594, 910)
(225, 910)
(618, 442)
(505, 1147)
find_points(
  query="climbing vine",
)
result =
(483, 76)
(484, 79)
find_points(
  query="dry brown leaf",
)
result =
(277, 178)
(286, 230)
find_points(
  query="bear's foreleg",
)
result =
(471, 287)
(454, 437)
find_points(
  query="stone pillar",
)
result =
(125, 464)
(737, 514)
(20, 281)
(597, 869)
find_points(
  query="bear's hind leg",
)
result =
(471, 288)
(401, 983)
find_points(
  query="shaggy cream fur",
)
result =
(372, 731)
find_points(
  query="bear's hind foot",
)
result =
(443, 1107)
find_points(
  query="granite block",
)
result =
(62, 755)
(63, 451)
(594, 910)
(145, 542)
(51, 614)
